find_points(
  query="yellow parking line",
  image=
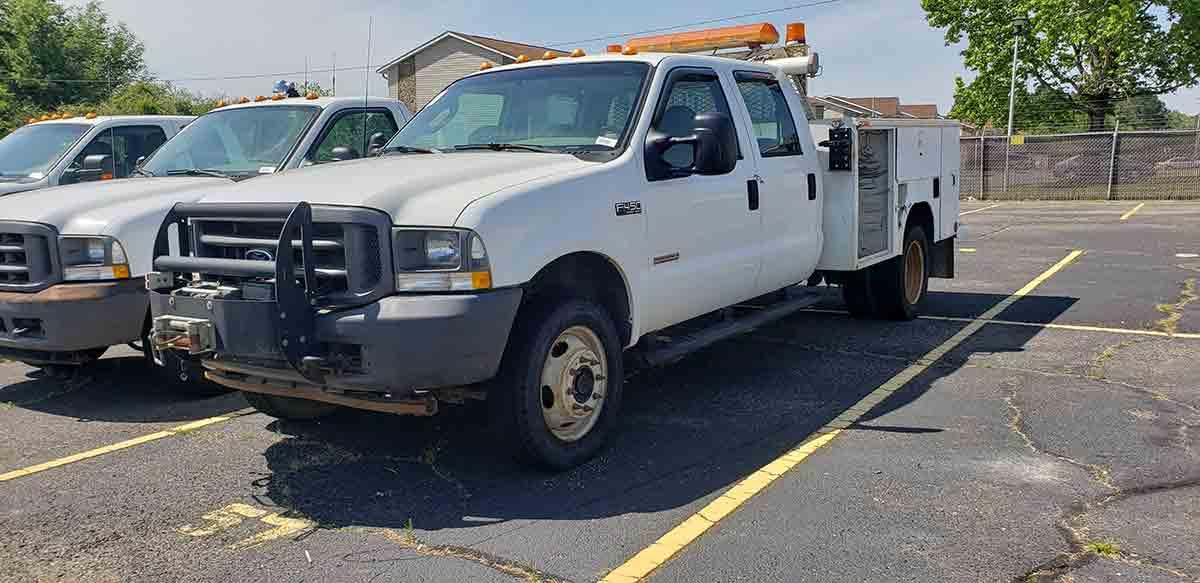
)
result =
(979, 210)
(1074, 327)
(670, 544)
(1132, 211)
(86, 455)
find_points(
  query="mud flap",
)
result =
(941, 259)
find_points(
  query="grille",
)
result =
(346, 255)
(25, 256)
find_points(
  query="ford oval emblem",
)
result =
(259, 255)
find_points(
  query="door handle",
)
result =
(937, 188)
(752, 193)
(812, 186)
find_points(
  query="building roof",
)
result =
(920, 110)
(504, 48)
(889, 107)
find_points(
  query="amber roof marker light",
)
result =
(797, 33)
(725, 37)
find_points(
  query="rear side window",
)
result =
(774, 127)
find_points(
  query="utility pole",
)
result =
(1019, 24)
(1196, 146)
(1112, 165)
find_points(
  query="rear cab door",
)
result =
(788, 175)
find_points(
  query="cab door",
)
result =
(788, 172)
(703, 232)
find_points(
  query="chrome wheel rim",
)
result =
(914, 272)
(574, 383)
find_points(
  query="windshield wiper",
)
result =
(506, 147)
(198, 172)
(408, 150)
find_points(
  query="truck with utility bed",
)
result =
(74, 257)
(539, 227)
(69, 149)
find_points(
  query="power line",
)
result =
(243, 76)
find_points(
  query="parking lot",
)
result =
(1042, 422)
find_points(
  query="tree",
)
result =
(1088, 54)
(55, 55)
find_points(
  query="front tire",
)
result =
(289, 408)
(560, 384)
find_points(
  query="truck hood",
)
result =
(12, 186)
(93, 207)
(414, 189)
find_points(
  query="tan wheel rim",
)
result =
(914, 273)
(574, 383)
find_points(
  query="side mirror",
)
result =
(342, 153)
(138, 164)
(714, 149)
(376, 143)
(95, 167)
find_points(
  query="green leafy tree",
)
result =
(1087, 54)
(313, 87)
(54, 55)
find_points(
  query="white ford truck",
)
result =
(86, 148)
(73, 258)
(538, 227)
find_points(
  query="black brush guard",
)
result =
(296, 304)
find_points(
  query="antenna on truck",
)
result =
(367, 84)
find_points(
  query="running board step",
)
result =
(658, 352)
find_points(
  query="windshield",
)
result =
(245, 141)
(577, 107)
(30, 152)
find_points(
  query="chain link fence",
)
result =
(1159, 165)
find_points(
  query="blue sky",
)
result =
(868, 47)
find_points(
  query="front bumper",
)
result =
(394, 346)
(53, 324)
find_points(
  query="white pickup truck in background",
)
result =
(75, 257)
(539, 225)
(87, 148)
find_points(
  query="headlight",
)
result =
(429, 260)
(92, 258)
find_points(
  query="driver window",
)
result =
(688, 95)
(100, 145)
(349, 132)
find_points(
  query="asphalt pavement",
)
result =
(1041, 423)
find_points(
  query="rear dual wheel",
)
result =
(895, 289)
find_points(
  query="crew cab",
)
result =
(87, 148)
(540, 226)
(75, 257)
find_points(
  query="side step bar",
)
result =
(658, 353)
